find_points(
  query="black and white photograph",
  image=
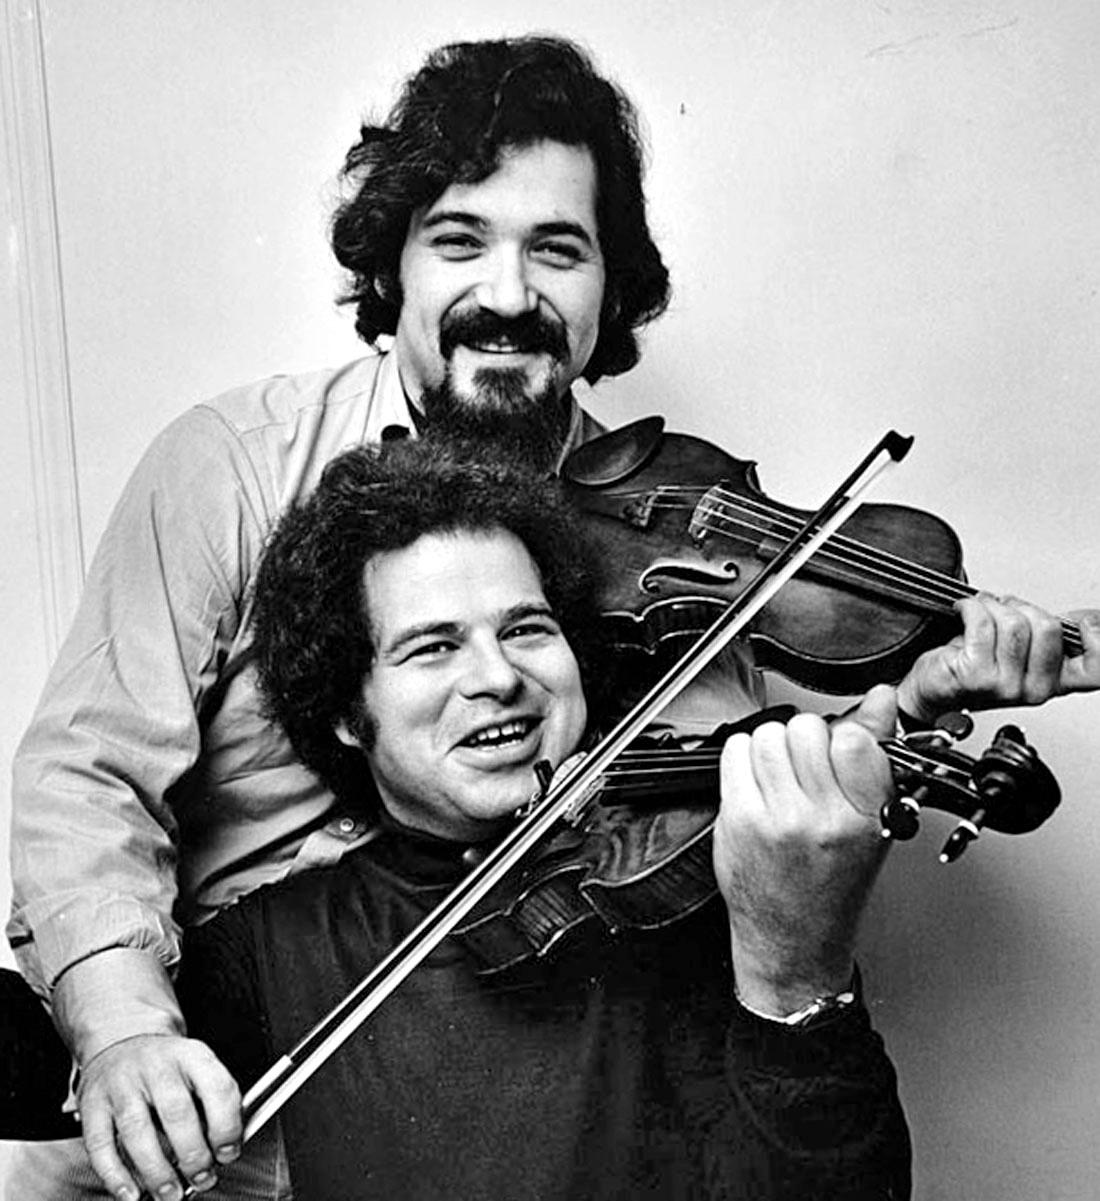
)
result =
(550, 567)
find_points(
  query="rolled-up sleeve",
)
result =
(93, 832)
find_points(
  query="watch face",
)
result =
(821, 1010)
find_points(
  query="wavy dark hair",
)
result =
(468, 104)
(312, 635)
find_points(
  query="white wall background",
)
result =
(877, 215)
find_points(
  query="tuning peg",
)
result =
(960, 838)
(900, 817)
(947, 729)
(957, 725)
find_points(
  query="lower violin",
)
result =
(637, 852)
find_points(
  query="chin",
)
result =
(493, 812)
(503, 389)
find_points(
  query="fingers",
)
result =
(155, 1109)
(1012, 650)
(807, 778)
(99, 1139)
(858, 762)
(1081, 673)
(877, 713)
(1009, 653)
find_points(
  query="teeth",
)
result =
(508, 732)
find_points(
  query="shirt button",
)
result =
(347, 825)
(473, 857)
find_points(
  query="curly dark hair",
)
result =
(312, 637)
(468, 104)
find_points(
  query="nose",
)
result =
(506, 288)
(489, 671)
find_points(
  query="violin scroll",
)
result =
(1008, 788)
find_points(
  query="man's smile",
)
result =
(488, 333)
(507, 733)
(497, 348)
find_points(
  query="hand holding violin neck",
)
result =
(1009, 653)
(797, 847)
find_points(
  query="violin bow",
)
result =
(555, 800)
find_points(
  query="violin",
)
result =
(686, 528)
(637, 854)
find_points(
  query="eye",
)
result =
(533, 627)
(558, 253)
(436, 648)
(456, 245)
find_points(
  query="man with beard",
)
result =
(497, 232)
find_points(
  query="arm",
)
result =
(814, 1110)
(1009, 653)
(93, 831)
(218, 991)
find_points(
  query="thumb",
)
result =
(877, 712)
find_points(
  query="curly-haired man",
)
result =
(424, 633)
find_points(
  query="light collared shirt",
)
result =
(150, 791)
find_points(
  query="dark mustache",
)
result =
(529, 332)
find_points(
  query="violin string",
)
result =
(844, 550)
(914, 582)
(737, 516)
(925, 584)
(643, 764)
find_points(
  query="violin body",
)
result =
(624, 869)
(685, 527)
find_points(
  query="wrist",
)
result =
(113, 995)
(777, 999)
(819, 1009)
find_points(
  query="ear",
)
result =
(345, 735)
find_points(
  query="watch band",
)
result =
(818, 1010)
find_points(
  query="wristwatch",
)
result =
(816, 1013)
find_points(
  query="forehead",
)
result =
(455, 578)
(545, 183)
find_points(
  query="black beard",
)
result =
(511, 422)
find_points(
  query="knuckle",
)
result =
(99, 1142)
(802, 725)
(132, 1119)
(224, 1088)
(195, 1160)
(175, 1107)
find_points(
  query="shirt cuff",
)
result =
(113, 995)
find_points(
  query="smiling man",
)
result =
(503, 283)
(423, 629)
(443, 760)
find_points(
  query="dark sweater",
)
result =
(622, 1068)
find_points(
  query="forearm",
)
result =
(94, 833)
(112, 996)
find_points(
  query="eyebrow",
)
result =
(571, 229)
(453, 629)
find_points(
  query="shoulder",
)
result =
(281, 400)
(255, 448)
